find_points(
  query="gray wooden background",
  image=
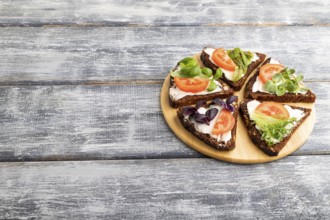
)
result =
(82, 135)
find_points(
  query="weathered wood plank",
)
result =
(84, 55)
(84, 122)
(106, 122)
(292, 188)
(145, 12)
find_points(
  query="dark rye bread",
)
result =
(235, 85)
(255, 134)
(309, 97)
(222, 146)
(192, 99)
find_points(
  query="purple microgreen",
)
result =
(188, 111)
(211, 113)
(232, 99)
(201, 104)
(230, 108)
(226, 105)
(218, 101)
(201, 118)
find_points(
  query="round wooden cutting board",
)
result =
(245, 151)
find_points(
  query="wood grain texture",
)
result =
(163, 13)
(84, 122)
(292, 188)
(69, 44)
(107, 122)
(98, 55)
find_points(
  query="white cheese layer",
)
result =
(177, 93)
(207, 129)
(259, 86)
(251, 106)
(294, 113)
(273, 61)
(228, 74)
(255, 57)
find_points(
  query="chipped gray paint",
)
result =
(84, 55)
(106, 122)
(69, 44)
(84, 122)
(163, 13)
(167, 189)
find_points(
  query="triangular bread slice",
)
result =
(205, 57)
(256, 135)
(190, 99)
(308, 97)
(223, 142)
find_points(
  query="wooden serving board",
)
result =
(245, 151)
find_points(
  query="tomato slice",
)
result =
(267, 71)
(193, 85)
(221, 58)
(225, 122)
(273, 109)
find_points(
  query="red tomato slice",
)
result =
(221, 58)
(193, 85)
(267, 71)
(273, 109)
(225, 122)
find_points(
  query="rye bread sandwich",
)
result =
(275, 82)
(270, 125)
(214, 122)
(235, 64)
(189, 83)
